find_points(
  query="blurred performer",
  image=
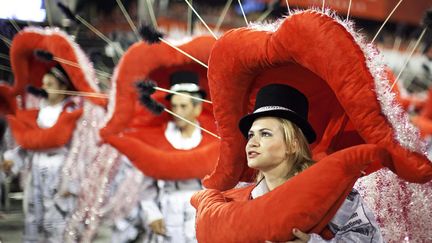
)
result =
(174, 196)
(3, 127)
(163, 147)
(45, 210)
(134, 209)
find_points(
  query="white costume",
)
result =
(353, 222)
(44, 219)
(139, 210)
(174, 196)
(6, 143)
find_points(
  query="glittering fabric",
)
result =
(403, 210)
(89, 169)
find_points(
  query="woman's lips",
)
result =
(252, 154)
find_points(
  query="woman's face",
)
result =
(184, 107)
(51, 82)
(266, 148)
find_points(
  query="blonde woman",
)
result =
(279, 135)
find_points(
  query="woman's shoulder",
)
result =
(241, 192)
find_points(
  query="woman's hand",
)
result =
(7, 166)
(301, 237)
(158, 226)
(66, 193)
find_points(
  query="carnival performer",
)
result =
(358, 125)
(135, 201)
(44, 209)
(174, 195)
(158, 140)
(53, 67)
(278, 136)
(3, 127)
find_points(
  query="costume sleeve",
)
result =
(353, 222)
(148, 204)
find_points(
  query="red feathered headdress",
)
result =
(28, 69)
(350, 104)
(137, 133)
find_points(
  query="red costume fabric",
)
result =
(29, 135)
(7, 100)
(350, 104)
(231, 217)
(137, 133)
(28, 69)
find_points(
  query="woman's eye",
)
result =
(249, 136)
(266, 134)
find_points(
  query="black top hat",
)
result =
(283, 101)
(185, 81)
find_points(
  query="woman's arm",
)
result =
(353, 222)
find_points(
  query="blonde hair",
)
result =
(298, 147)
(297, 142)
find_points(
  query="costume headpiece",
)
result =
(283, 101)
(185, 81)
(143, 138)
(75, 71)
(359, 126)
